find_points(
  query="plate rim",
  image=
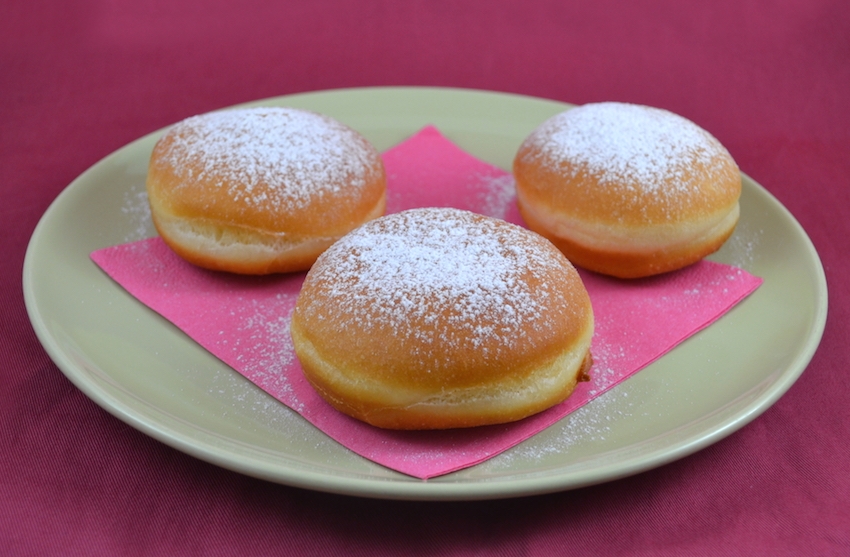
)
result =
(412, 488)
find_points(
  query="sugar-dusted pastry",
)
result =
(261, 190)
(441, 318)
(627, 190)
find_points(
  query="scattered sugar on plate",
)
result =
(138, 212)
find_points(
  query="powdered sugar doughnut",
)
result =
(627, 190)
(442, 318)
(261, 190)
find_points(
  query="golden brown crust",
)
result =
(438, 318)
(627, 190)
(262, 190)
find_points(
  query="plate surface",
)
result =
(146, 372)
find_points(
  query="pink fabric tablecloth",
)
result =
(79, 80)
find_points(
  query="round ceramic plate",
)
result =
(146, 372)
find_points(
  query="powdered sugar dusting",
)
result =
(593, 424)
(272, 156)
(260, 344)
(138, 212)
(498, 195)
(742, 248)
(272, 347)
(462, 275)
(638, 148)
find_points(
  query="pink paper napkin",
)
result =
(244, 321)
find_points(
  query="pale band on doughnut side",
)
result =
(250, 251)
(631, 251)
(394, 407)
